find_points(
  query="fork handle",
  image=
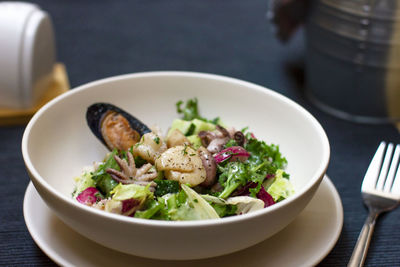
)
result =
(360, 250)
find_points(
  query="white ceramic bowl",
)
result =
(57, 143)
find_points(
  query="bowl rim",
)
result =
(315, 179)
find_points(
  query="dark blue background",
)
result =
(98, 39)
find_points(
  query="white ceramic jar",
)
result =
(27, 54)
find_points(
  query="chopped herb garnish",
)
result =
(157, 140)
(184, 149)
(191, 129)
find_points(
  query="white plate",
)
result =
(305, 242)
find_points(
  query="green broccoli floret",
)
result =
(166, 186)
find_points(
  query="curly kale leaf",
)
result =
(234, 174)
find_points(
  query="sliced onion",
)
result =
(232, 153)
(89, 196)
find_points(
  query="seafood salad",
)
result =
(201, 169)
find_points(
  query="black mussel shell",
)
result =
(96, 113)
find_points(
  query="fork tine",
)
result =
(385, 167)
(396, 184)
(372, 173)
(392, 170)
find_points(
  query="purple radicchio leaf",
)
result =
(89, 196)
(129, 206)
(266, 197)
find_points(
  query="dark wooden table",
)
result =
(98, 39)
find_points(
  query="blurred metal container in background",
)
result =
(353, 59)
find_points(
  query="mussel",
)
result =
(114, 127)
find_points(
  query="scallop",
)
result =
(182, 164)
(150, 147)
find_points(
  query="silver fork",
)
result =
(380, 191)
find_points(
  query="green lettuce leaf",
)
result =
(82, 182)
(280, 188)
(122, 192)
